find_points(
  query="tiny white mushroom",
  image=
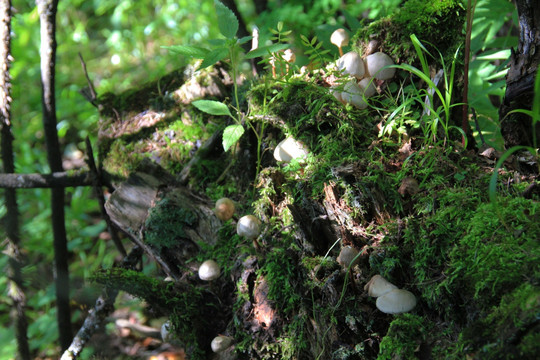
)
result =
(351, 64)
(224, 209)
(375, 62)
(248, 226)
(289, 57)
(289, 149)
(352, 94)
(209, 270)
(347, 256)
(166, 335)
(378, 286)
(340, 38)
(221, 343)
(396, 301)
(368, 86)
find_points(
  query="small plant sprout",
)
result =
(224, 209)
(351, 64)
(353, 94)
(375, 64)
(347, 256)
(221, 343)
(209, 270)
(248, 226)
(396, 301)
(340, 38)
(378, 286)
(290, 149)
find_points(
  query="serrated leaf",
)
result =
(227, 21)
(264, 50)
(231, 135)
(212, 107)
(188, 50)
(214, 56)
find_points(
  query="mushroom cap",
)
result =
(224, 209)
(289, 56)
(375, 62)
(166, 331)
(347, 255)
(352, 94)
(340, 38)
(368, 86)
(396, 301)
(209, 270)
(351, 64)
(378, 286)
(289, 149)
(220, 343)
(248, 226)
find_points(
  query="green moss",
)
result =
(406, 333)
(507, 331)
(499, 250)
(187, 306)
(438, 22)
(165, 224)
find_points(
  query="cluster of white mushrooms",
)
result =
(362, 71)
(390, 299)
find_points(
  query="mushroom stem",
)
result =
(340, 51)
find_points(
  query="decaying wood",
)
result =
(129, 208)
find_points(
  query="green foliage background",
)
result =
(121, 42)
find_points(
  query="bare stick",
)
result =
(102, 309)
(54, 180)
(47, 10)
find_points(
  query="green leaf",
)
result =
(244, 40)
(214, 56)
(231, 135)
(188, 50)
(264, 50)
(212, 107)
(227, 21)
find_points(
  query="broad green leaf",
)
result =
(244, 40)
(231, 135)
(212, 107)
(214, 56)
(188, 50)
(264, 50)
(227, 21)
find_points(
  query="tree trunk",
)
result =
(47, 13)
(11, 220)
(516, 128)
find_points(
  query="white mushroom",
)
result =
(209, 270)
(351, 64)
(367, 86)
(340, 38)
(378, 286)
(396, 301)
(166, 335)
(352, 94)
(221, 343)
(289, 149)
(248, 226)
(347, 256)
(224, 209)
(375, 62)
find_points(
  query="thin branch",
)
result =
(101, 199)
(47, 10)
(54, 180)
(102, 309)
(11, 219)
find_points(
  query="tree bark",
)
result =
(47, 14)
(11, 220)
(517, 128)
